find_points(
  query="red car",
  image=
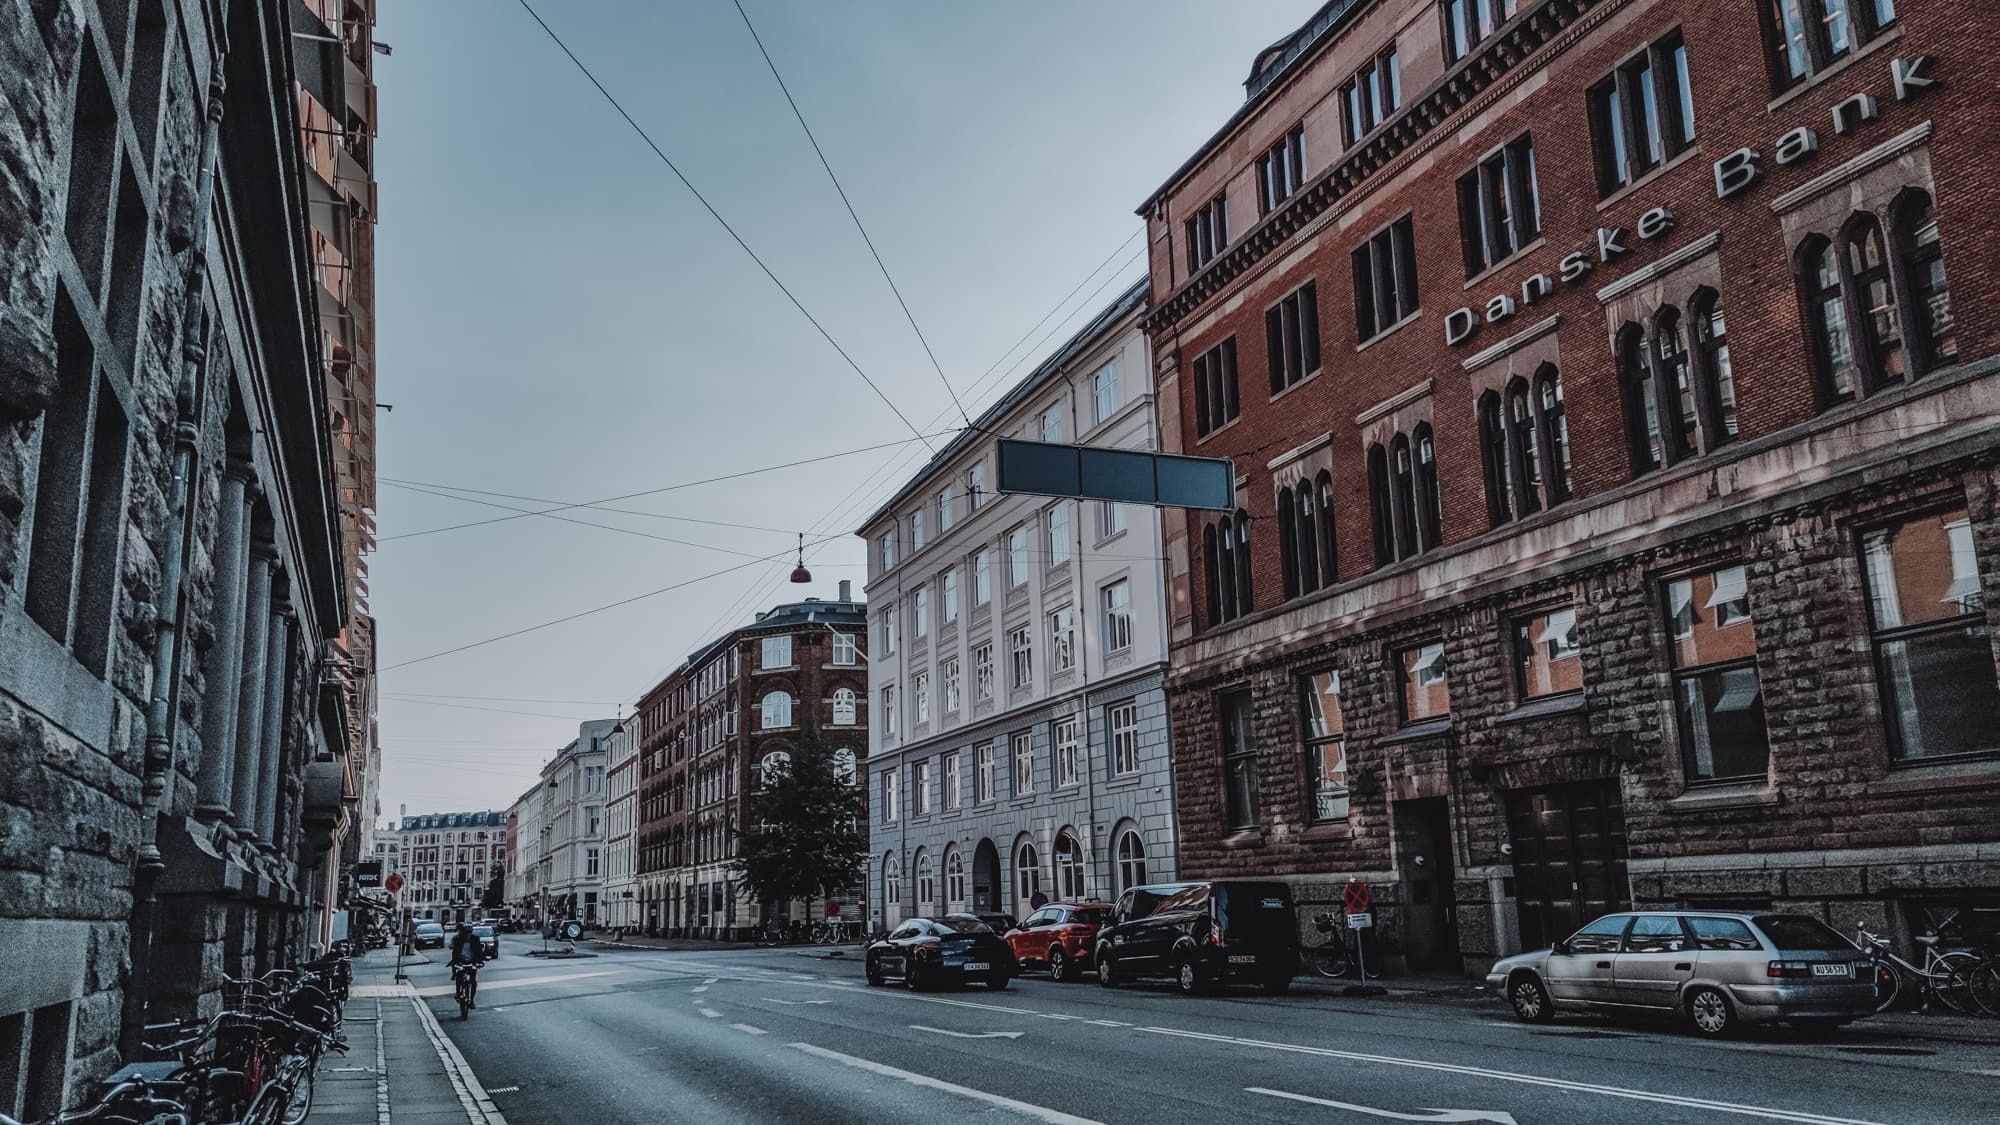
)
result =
(1060, 937)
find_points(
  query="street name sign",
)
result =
(1132, 476)
(1360, 920)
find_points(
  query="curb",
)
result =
(479, 1107)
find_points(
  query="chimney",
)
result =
(847, 589)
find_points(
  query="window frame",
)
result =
(1386, 283)
(1281, 170)
(1291, 337)
(1021, 747)
(1207, 232)
(1313, 743)
(1371, 96)
(1233, 708)
(1799, 48)
(1122, 718)
(1499, 205)
(1404, 684)
(1217, 401)
(1972, 620)
(1680, 674)
(1064, 746)
(1630, 111)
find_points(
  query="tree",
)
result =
(807, 840)
(496, 890)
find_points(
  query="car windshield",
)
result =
(965, 924)
(1797, 931)
(1091, 915)
(482, 931)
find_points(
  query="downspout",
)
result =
(1083, 590)
(171, 599)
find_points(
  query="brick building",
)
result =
(176, 770)
(1552, 591)
(736, 707)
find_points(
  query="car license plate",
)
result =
(1832, 971)
(976, 966)
(1243, 959)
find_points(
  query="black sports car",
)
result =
(925, 952)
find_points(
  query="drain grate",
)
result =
(1888, 1050)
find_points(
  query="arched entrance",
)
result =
(986, 878)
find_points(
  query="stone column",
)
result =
(277, 682)
(224, 666)
(250, 704)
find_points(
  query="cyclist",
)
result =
(468, 951)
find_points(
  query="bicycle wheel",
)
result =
(1985, 986)
(1955, 989)
(1329, 960)
(1888, 985)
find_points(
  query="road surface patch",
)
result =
(1025, 1109)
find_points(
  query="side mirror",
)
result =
(1561, 949)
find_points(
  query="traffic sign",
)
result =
(1134, 476)
(1357, 898)
(1359, 920)
(833, 910)
(393, 883)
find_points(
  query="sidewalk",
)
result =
(400, 1068)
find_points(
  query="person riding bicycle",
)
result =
(467, 950)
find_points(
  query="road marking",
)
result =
(1025, 1109)
(382, 1116)
(1106, 1023)
(699, 989)
(968, 1034)
(521, 982)
(796, 1003)
(1425, 1115)
(711, 1013)
(1527, 1079)
(472, 1097)
(504, 1090)
(1057, 1016)
(748, 1030)
(712, 980)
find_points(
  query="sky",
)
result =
(560, 321)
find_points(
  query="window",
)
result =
(1468, 23)
(1385, 279)
(982, 772)
(890, 804)
(920, 613)
(982, 576)
(1717, 695)
(1124, 738)
(1547, 658)
(1064, 739)
(1878, 340)
(920, 691)
(1052, 424)
(950, 775)
(1104, 393)
(1601, 936)
(777, 652)
(1325, 747)
(1062, 641)
(1215, 404)
(1020, 648)
(1499, 208)
(1826, 316)
(982, 672)
(1524, 441)
(1715, 378)
(777, 710)
(1057, 523)
(887, 545)
(1024, 763)
(1281, 170)
(1404, 497)
(920, 786)
(1116, 600)
(1656, 934)
(1642, 115)
(1806, 36)
(889, 711)
(1724, 933)
(1932, 652)
(1426, 687)
(1291, 330)
(1027, 877)
(1017, 558)
(1226, 556)
(975, 485)
(1069, 867)
(774, 766)
(1372, 95)
(1110, 519)
(1131, 860)
(1239, 762)
(954, 881)
(1305, 534)
(944, 506)
(926, 883)
(948, 686)
(917, 530)
(890, 627)
(1207, 232)
(1933, 335)
(844, 650)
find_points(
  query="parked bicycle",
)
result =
(1946, 976)
(1325, 950)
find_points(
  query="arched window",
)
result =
(1881, 342)
(1718, 377)
(1288, 547)
(1307, 530)
(1555, 427)
(1243, 600)
(1131, 860)
(892, 887)
(843, 766)
(1493, 450)
(926, 884)
(1429, 503)
(1642, 416)
(1069, 868)
(1525, 463)
(1404, 484)
(1826, 314)
(1211, 561)
(775, 765)
(777, 709)
(1381, 518)
(1933, 332)
(844, 707)
(954, 881)
(1677, 418)
(1027, 877)
(1329, 563)
(1227, 542)
(1225, 537)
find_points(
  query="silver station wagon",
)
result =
(1717, 968)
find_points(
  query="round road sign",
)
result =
(393, 883)
(1356, 898)
(833, 911)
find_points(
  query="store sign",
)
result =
(1734, 174)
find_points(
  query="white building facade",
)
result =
(620, 907)
(524, 869)
(448, 862)
(1019, 747)
(572, 827)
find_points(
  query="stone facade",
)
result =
(1684, 491)
(171, 776)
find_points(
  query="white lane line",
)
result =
(969, 1034)
(1492, 1115)
(1058, 1016)
(381, 1073)
(1528, 1080)
(1025, 1109)
(472, 1097)
(712, 980)
(796, 1003)
(710, 1013)
(748, 1030)
(1106, 1023)
(699, 989)
(504, 1090)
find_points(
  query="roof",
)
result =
(812, 611)
(1272, 63)
(1124, 304)
(486, 819)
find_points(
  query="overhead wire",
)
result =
(583, 523)
(564, 505)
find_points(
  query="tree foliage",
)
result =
(806, 839)
(496, 890)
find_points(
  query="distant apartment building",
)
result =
(709, 731)
(523, 885)
(1019, 749)
(572, 827)
(621, 808)
(448, 862)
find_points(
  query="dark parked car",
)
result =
(926, 952)
(488, 940)
(998, 922)
(1202, 934)
(428, 935)
(1060, 937)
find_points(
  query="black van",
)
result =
(1202, 934)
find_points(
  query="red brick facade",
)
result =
(1592, 790)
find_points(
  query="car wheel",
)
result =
(874, 973)
(998, 981)
(1188, 976)
(1107, 973)
(912, 979)
(1060, 965)
(1530, 1000)
(1710, 1013)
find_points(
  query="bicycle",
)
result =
(1945, 976)
(132, 1100)
(1329, 957)
(465, 984)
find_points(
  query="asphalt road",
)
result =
(771, 1036)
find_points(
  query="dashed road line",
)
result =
(711, 1013)
(748, 1030)
(1025, 1109)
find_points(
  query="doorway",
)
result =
(986, 878)
(1424, 864)
(1569, 857)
